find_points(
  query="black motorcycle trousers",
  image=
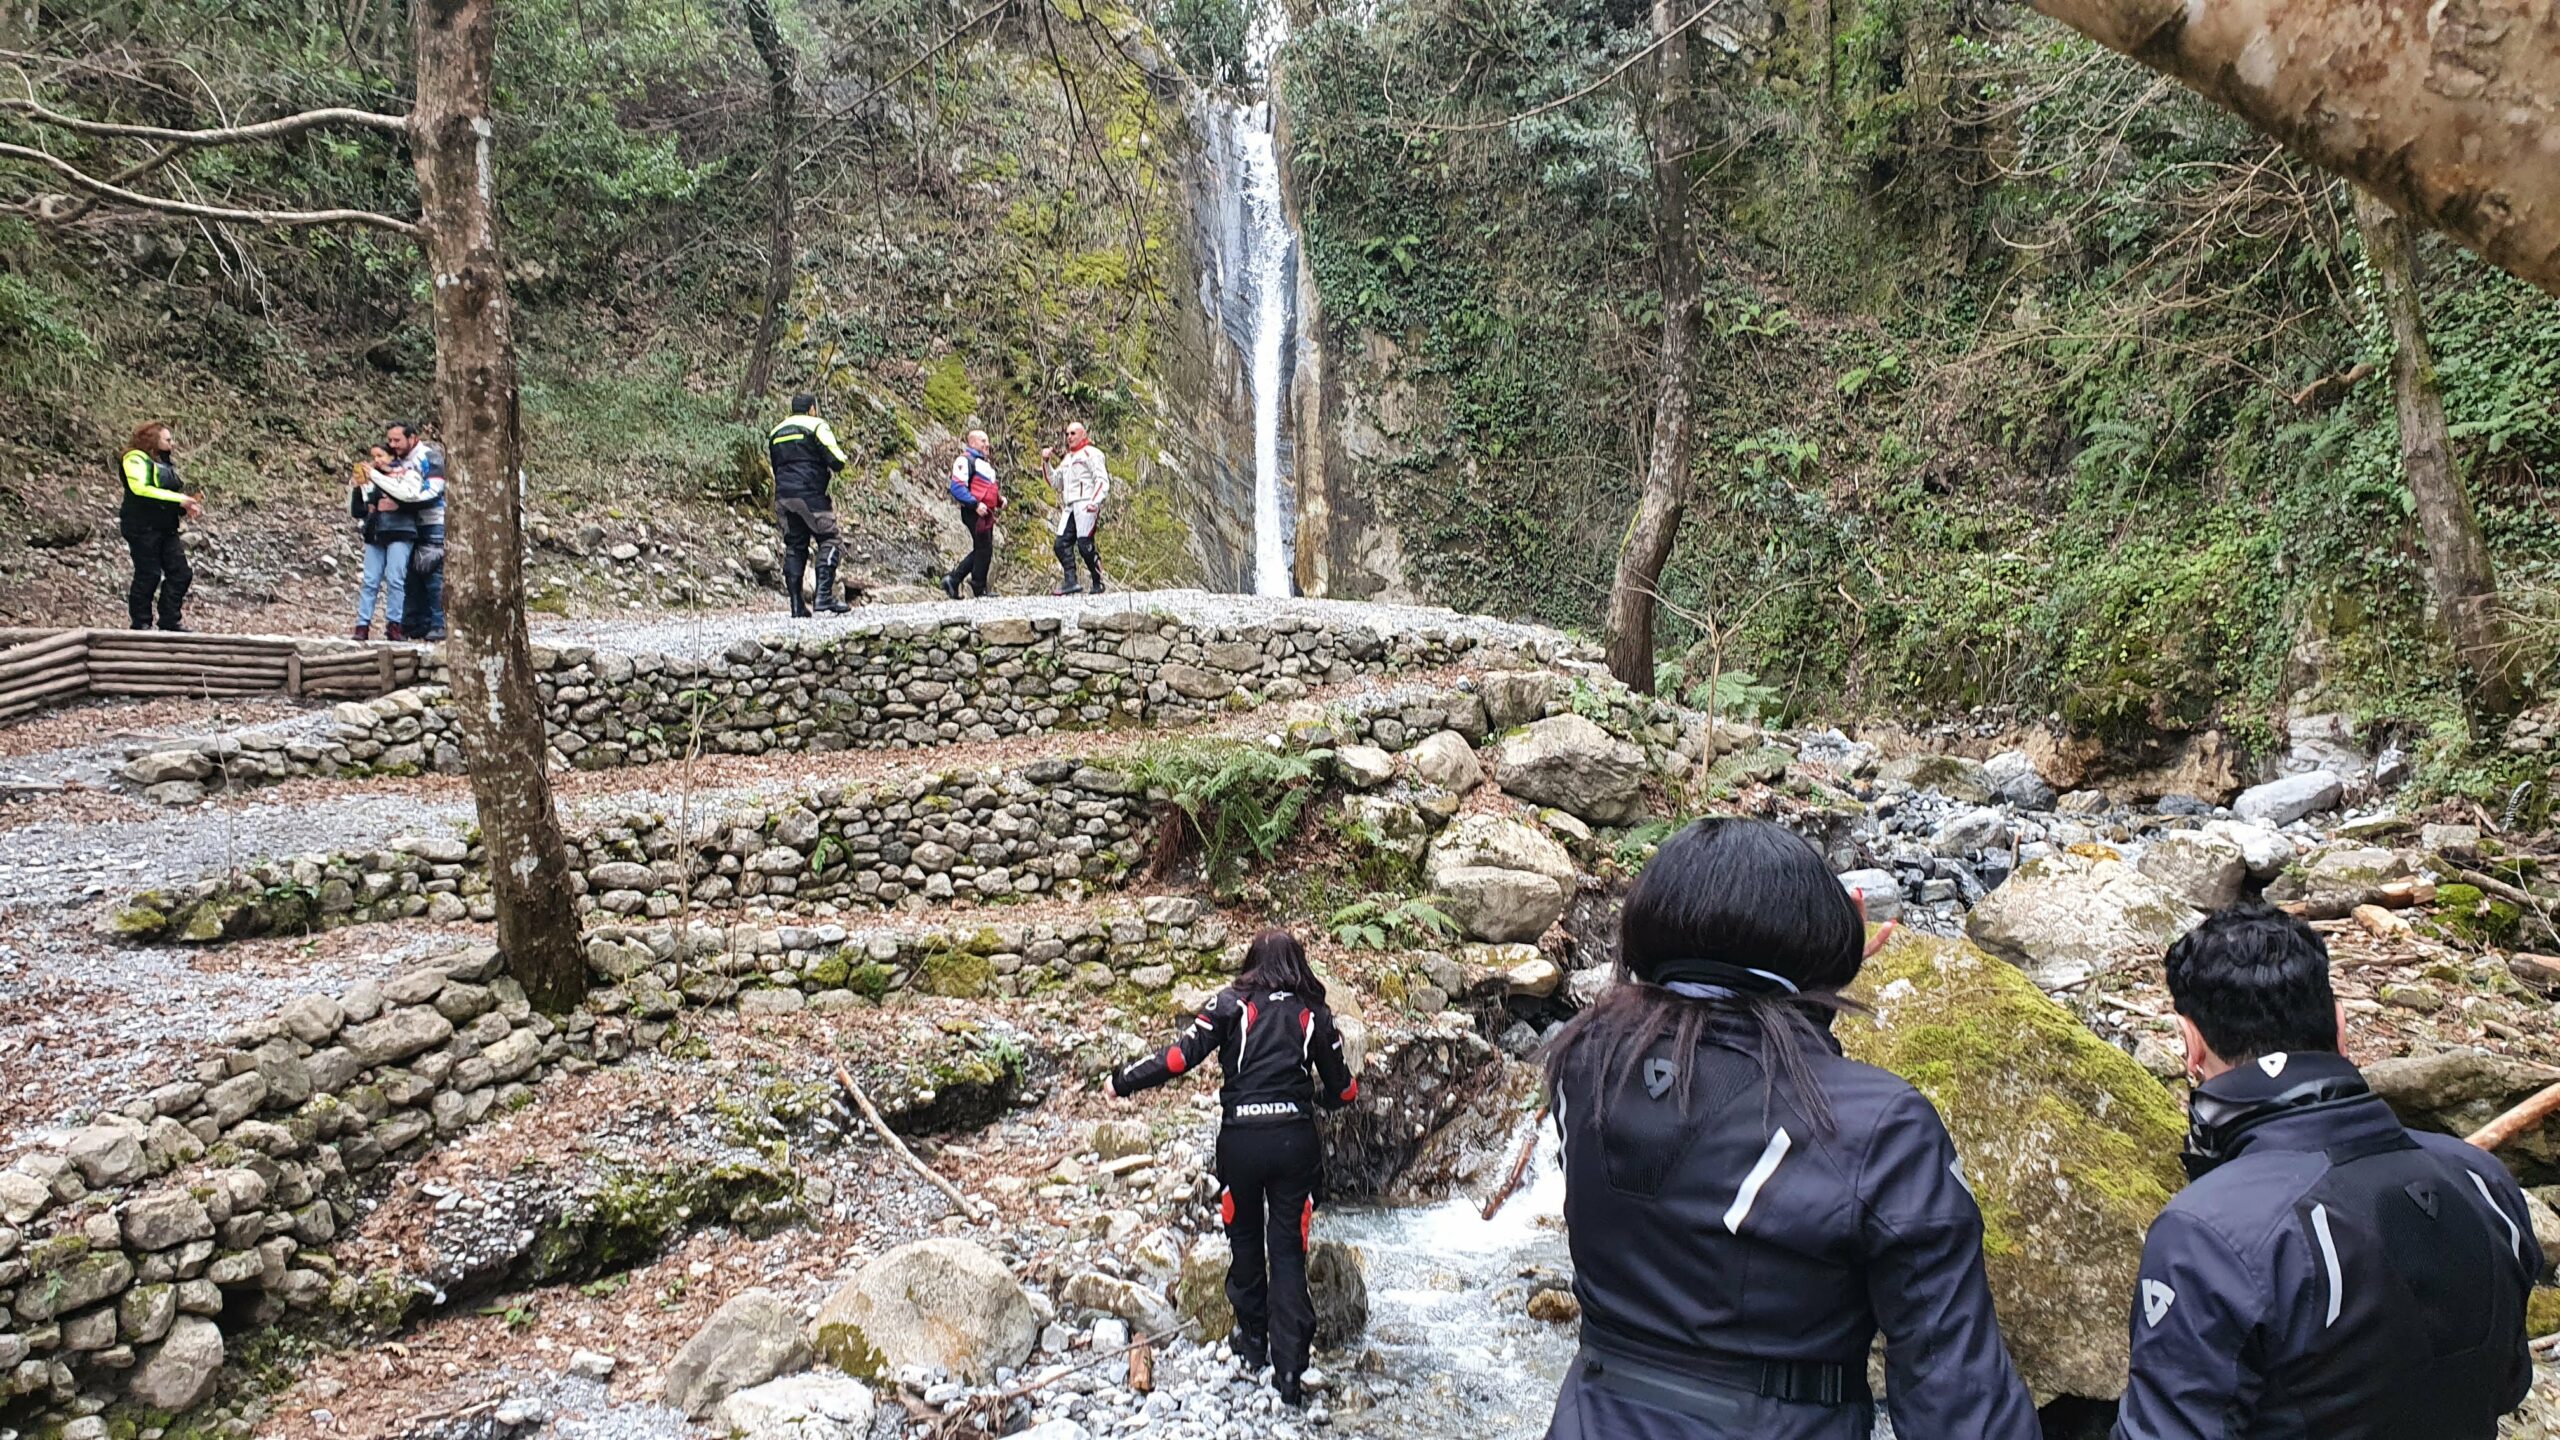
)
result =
(1269, 1175)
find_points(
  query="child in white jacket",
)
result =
(1083, 482)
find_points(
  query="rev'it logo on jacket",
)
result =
(2156, 1300)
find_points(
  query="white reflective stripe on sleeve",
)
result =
(2329, 1257)
(1766, 1166)
(2515, 1237)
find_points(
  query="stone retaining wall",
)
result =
(898, 685)
(1050, 826)
(133, 1245)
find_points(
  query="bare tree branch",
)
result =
(276, 219)
(231, 135)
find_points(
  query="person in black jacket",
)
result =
(1746, 1207)
(1282, 1059)
(2329, 1274)
(806, 458)
(155, 503)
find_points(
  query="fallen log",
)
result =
(2542, 972)
(969, 1209)
(1519, 1167)
(223, 688)
(2515, 1122)
(2381, 924)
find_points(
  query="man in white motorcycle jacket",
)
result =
(1083, 482)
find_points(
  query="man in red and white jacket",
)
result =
(1083, 482)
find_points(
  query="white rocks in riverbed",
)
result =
(2062, 917)
(1969, 832)
(944, 1302)
(749, 1340)
(1446, 760)
(2263, 850)
(2281, 802)
(2014, 778)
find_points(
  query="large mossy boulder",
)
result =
(2069, 1146)
(1337, 1284)
(945, 1303)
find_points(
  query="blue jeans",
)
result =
(386, 570)
(426, 587)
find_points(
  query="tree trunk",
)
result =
(2458, 568)
(496, 707)
(1646, 548)
(2450, 113)
(783, 243)
(1818, 27)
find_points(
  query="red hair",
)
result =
(146, 437)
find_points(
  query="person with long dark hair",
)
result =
(155, 504)
(1747, 1207)
(1282, 1059)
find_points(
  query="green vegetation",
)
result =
(1391, 922)
(1997, 373)
(1240, 801)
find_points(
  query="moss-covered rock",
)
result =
(958, 974)
(2468, 914)
(2070, 1147)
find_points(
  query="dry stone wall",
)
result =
(897, 685)
(137, 1248)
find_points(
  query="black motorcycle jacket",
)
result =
(805, 457)
(1281, 1056)
(2330, 1275)
(1728, 1248)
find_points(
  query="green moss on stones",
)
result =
(955, 973)
(2542, 1313)
(843, 1345)
(2466, 913)
(947, 393)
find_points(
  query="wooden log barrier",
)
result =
(47, 665)
(17, 664)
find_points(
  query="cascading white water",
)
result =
(1271, 275)
(1252, 288)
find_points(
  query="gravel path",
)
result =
(708, 634)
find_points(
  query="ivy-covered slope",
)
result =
(992, 232)
(2009, 385)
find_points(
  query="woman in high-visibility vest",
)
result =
(154, 506)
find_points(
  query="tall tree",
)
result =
(2458, 567)
(1671, 135)
(496, 708)
(782, 96)
(2450, 113)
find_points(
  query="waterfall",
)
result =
(1252, 291)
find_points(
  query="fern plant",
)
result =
(1239, 802)
(1390, 922)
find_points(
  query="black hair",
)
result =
(1745, 895)
(804, 403)
(2256, 982)
(1276, 961)
(405, 427)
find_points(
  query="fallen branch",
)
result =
(232, 135)
(1142, 1365)
(2328, 388)
(2518, 1120)
(277, 219)
(969, 1209)
(1519, 1167)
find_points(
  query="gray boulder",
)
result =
(179, 1372)
(1970, 832)
(2061, 917)
(2203, 870)
(944, 1303)
(1388, 826)
(163, 766)
(1950, 775)
(1444, 758)
(1577, 767)
(1500, 906)
(1364, 767)
(1879, 889)
(2340, 873)
(747, 1341)
(2263, 850)
(2014, 778)
(2281, 802)
(799, 1407)
(1127, 1299)
(2455, 1092)
(1491, 842)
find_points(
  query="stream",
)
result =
(1448, 1298)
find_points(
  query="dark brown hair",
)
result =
(1276, 961)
